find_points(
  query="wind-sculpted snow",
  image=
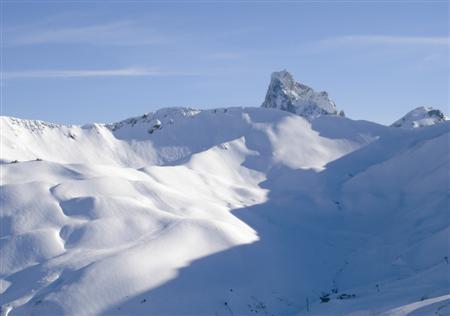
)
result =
(181, 132)
(420, 117)
(238, 211)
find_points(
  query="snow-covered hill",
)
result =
(237, 211)
(171, 135)
(287, 95)
(420, 117)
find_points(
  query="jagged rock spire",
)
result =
(287, 95)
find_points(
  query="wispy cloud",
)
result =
(384, 40)
(117, 33)
(122, 72)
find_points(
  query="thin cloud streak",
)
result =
(122, 72)
(117, 33)
(384, 40)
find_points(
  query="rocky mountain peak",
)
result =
(286, 94)
(420, 117)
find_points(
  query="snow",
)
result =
(420, 117)
(232, 211)
(407, 309)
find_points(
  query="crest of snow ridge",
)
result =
(287, 95)
(420, 117)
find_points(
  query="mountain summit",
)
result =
(420, 117)
(286, 94)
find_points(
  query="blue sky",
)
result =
(103, 61)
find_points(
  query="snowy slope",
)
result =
(420, 117)
(236, 211)
(287, 95)
(180, 132)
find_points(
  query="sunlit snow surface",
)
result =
(239, 211)
(421, 117)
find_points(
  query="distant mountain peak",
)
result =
(286, 94)
(420, 117)
(283, 76)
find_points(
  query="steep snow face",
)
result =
(420, 117)
(227, 211)
(287, 95)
